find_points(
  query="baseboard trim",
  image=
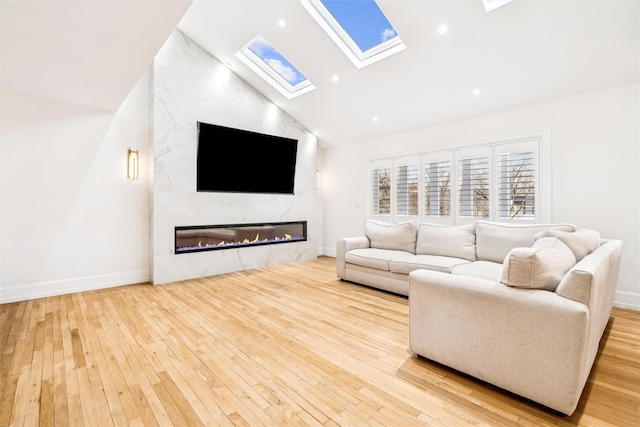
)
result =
(69, 286)
(629, 300)
(329, 251)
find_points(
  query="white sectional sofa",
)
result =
(520, 306)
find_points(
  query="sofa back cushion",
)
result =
(399, 236)
(539, 267)
(581, 242)
(494, 240)
(445, 240)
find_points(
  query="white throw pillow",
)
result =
(445, 240)
(581, 242)
(494, 240)
(539, 267)
(400, 236)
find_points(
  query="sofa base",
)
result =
(385, 280)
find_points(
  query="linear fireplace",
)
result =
(228, 236)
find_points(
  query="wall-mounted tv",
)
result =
(240, 161)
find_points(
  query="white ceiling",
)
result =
(522, 53)
(88, 53)
(92, 52)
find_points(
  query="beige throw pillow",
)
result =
(383, 235)
(539, 267)
(445, 240)
(581, 242)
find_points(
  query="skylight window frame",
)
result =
(258, 66)
(340, 37)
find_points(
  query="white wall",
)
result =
(189, 86)
(594, 169)
(70, 218)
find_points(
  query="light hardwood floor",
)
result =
(285, 345)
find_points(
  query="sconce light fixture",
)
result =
(132, 161)
(317, 179)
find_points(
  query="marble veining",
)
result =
(189, 85)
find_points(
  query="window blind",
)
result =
(407, 191)
(437, 181)
(381, 188)
(474, 186)
(517, 184)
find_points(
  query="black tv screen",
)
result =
(240, 161)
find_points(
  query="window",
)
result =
(517, 179)
(474, 183)
(273, 67)
(437, 186)
(358, 27)
(381, 188)
(406, 184)
(498, 181)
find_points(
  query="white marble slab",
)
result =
(189, 85)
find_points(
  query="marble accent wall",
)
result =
(189, 85)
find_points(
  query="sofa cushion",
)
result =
(407, 264)
(399, 236)
(495, 240)
(539, 267)
(373, 257)
(481, 269)
(581, 242)
(446, 240)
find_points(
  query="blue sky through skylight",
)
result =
(362, 20)
(278, 63)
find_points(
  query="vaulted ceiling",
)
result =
(92, 53)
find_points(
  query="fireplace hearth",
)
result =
(231, 236)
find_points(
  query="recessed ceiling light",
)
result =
(442, 29)
(476, 92)
(375, 119)
(282, 23)
(335, 78)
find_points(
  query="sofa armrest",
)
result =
(344, 245)
(592, 281)
(531, 342)
(594, 276)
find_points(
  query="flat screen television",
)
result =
(240, 161)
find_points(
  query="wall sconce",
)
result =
(317, 180)
(132, 162)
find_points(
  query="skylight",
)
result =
(358, 27)
(272, 66)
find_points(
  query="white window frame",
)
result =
(268, 74)
(536, 139)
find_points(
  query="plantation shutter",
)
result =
(380, 188)
(437, 185)
(474, 184)
(517, 165)
(407, 181)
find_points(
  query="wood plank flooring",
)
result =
(280, 346)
